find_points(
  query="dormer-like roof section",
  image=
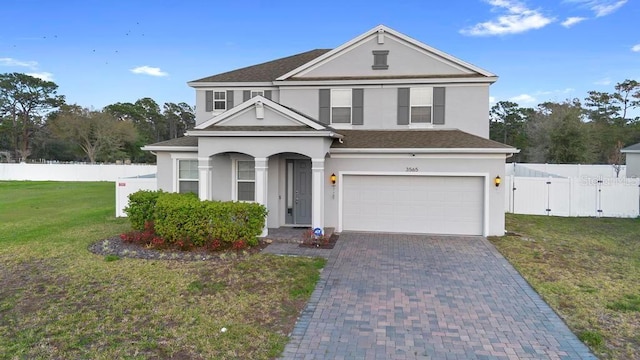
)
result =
(265, 72)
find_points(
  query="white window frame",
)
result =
(236, 180)
(333, 102)
(176, 158)
(222, 100)
(418, 100)
(255, 93)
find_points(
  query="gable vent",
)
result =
(380, 59)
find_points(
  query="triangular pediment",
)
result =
(261, 114)
(405, 57)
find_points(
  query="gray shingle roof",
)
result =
(181, 141)
(634, 147)
(413, 139)
(268, 71)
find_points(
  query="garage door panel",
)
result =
(413, 204)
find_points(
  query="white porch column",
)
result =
(204, 178)
(262, 170)
(317, 189)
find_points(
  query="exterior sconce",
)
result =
(497, 181)
(332, 178)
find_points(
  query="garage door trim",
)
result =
(485, 176)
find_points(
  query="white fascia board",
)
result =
(424, 151)
(170, 148)
(412, 81)
(265, 134)
(219, 119)
(226, 85)
(630, 151)
(425, 49)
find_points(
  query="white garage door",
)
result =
(413, 204)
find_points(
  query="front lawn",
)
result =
(58, 300)
(588, 270)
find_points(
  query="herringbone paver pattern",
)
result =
(387, 296)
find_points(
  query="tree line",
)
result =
(591, 131)
(37, 123)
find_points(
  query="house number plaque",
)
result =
(412, 169)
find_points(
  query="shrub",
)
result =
(179, 217)
(141, 207)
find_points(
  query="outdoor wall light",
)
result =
(332, 178)
(497, 181)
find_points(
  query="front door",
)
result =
(299, 192)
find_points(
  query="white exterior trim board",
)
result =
(423, 151)
(264, 134)
(170, 148)
(409, 81)
(199, 84)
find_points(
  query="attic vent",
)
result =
(380, 36)
(380, 60)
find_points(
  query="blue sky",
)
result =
(102, 52)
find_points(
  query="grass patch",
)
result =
(587, 270)
(57, 300)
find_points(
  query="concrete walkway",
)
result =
(387, 296)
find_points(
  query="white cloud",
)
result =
(607, 8)
(517, 19)
(601, 7)
(523, 99)
(492, 99)
(148, 70)
(572, 21)
(605, 81)
(635, 48)
(18, 63)
(46, 76)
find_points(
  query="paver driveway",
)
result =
(387, 296)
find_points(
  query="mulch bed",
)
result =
(319, 244)
(116, 247)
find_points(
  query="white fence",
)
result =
(125, 187)
(563, 170)
(72, 172)
(583, 196)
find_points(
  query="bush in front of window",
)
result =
(183, 218)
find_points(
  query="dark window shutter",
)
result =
(325, 106)
(246, 95)
(267, 94)
(229, 99)
(403, 106)
(208, 94)
(438, 105)
(357, 103)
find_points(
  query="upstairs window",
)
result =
(188, 176)
(255, 93)
(421, 102)
(341, 101)
(219, 100)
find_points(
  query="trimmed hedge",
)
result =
(183, 217)
(141, 208)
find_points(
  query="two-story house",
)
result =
(382, 133)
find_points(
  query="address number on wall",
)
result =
(412, 169)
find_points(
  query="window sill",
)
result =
(420, 126)
(342, 126)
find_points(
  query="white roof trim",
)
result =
(247, 85)
(424, 150)
(630, 151)
(410, 81)
(169, 148)
(265, 134)
(266, 102)
(374, 32)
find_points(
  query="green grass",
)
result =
(588, 270)
(57, 300)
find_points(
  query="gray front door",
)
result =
(301, 192)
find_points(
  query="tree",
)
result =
(617, 158)
(557, 133)
(507, 125)
(24, 100)
(100, 135)
(628, 96)
(179, 118)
